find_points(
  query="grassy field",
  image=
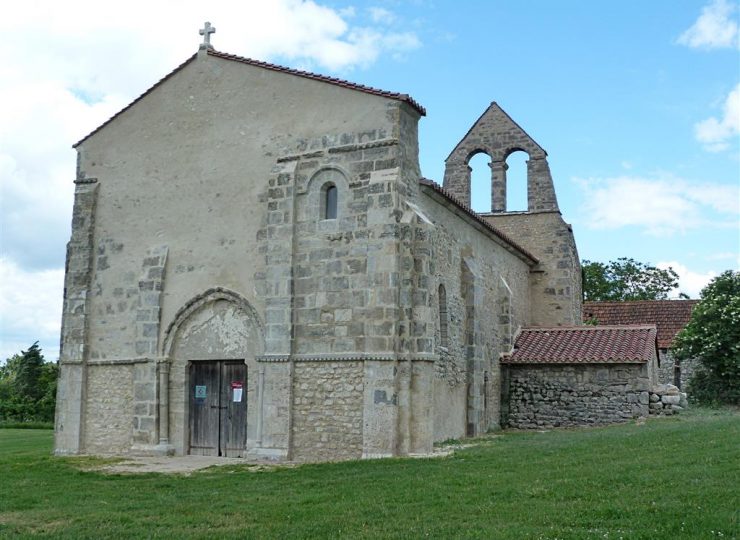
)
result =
(667, 478)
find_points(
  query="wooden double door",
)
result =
(218, 408)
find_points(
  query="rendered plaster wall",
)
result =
(555, 285)
(538, 395)
(327, 411)
(487, 298)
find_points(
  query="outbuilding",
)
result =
(579, 375)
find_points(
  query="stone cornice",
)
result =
(120, 361)
(337, 149)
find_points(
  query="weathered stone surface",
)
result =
(542, 395)
(327, 410)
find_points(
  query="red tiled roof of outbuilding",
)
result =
(670, 316)
(584, 345)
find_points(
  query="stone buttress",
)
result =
(347, 347)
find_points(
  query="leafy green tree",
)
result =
(626, 279)
(28, 387)
(713, 336)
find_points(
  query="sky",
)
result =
(637, 104)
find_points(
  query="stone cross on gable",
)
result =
(206, 33)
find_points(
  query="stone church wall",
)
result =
(543, 396)
(556, 284)
(179, 178)
(344, 289)
(486, 289)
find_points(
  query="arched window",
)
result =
(329, 202)
(480, 182)
(443, 316)
(516, 182)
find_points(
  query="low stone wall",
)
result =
(667, 399)
(539, 396)
(675, 372)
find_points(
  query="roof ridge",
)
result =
(587, 327)
(633, 302)
(324, 78)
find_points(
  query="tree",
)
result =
(713, 336)
(28, 373)
(28, 387)
(626, 279)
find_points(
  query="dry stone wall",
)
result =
(675, 372)
(667, 399)
(543, 396)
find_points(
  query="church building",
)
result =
(257, 269)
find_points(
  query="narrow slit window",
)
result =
(330, 203)
(443, 316)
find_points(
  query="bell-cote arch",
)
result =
(498, 136)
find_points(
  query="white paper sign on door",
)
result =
(237, 387)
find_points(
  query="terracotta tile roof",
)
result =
(584, 345)
(472, 213)
(273, 67)
(670, 316)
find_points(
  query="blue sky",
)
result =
(636, 102)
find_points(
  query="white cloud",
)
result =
(30, 309)
(715, 133)
(661, 205)
(689, 282)
(725, 256)
(381, 15)
(715, 27)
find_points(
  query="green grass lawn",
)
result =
(668, 478)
